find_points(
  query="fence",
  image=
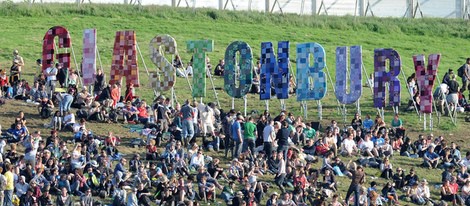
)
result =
(379, 8)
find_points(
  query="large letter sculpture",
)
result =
(275, 73)
(425, 78)
(89, 56)
(48, 47)
(381, 76)
(311, 81)
(245, 67)
(355, 77)
(125, 59)
(199, 49)
(156, 55)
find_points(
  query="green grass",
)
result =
(23, 28)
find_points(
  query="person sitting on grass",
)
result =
(17, 133)
(414, 195)
(40, 94)
(349, 147)
(411, 178)
(130, 113)
(389, 193)
(431, 159)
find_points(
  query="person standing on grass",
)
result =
(249, 134)
(358, 179)
(269, 135)
(465, 74)
(10, 186)
(281, 173)
(188, 126)
(227, 127)
(453, 96)
(51, 78)
(283, 139)
(17, 65)
(3, 184)
(237, 136)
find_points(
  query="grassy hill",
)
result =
(23, 28)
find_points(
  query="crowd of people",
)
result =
(175, 168)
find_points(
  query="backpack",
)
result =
(46, 112)
(82, 114)
(461, 71)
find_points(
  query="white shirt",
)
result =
(465, 191)
(207, 117)
(196, 113)
(189, 70)
(444, 88)
(268, 133)
(69, 119)
(424, 191)
(197, 161)
(49, 71)
(282, 167)
(367, 145)
(465, 162)
(349, 145)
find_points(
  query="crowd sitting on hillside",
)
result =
(175, 170)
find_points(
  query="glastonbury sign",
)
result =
(275, 73)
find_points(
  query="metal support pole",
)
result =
(314, 7)
(244, 102)
(409, 92)
(76, 65)
(332, 85)
(266, 6)
(145, 66)
(213, 88)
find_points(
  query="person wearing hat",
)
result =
(15, 70)
(424, 190)
(273, 198)
(21, 186)
(358, 178)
